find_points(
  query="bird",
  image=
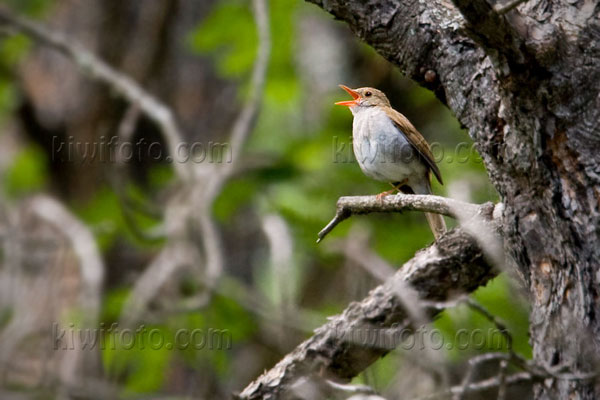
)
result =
(389, 148)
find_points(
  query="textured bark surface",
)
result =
(526, 85)
(369, 329)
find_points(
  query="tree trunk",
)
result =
(525, 81)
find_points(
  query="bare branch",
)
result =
(85, 248)
(315, 387)
(245, 122)
(193, 203)
(502, 380)
(97, 69)
(157, 273)
(126, 129)
(474, 363)
(358, 251)
(213, 179)
(515, 379)
(281, 247)
(493, 319)
(336, 351)
(348, 206)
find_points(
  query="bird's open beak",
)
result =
(349, 103)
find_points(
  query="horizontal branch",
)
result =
(342, 348)
(348, 206)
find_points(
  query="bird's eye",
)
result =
(368, 94)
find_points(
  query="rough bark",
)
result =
(526, 85)
(369, 329)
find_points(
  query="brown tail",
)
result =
(436, 221)
(437, 224)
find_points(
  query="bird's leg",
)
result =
(381, 195)
(396, 188)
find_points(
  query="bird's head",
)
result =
(364, 97)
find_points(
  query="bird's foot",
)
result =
(381, 195)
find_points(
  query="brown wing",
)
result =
(415, 138)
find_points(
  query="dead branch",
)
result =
(207, 179)
(491, 383)
(246, 120)
(97, 69)
(337, 350)
(84, 247)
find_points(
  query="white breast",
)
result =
(381, 149)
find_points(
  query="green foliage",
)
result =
(302, 183)
(159, 176)
(27, 172)
(13, 48)
(102, 213)
(234, 196)
(113, 304)
(499, 299)
(228, 33)
(221, 327)
(30, 7)
(138, 355)
(112, 217)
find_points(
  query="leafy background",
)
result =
(298, 179)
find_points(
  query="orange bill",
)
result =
(349, 103)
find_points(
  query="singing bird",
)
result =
(389, 148)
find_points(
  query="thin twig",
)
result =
(246, 120)
(118, 176)
(515, 379)
(356, 249)
(171, 257)
(84, 247)
(473, 364)
(97, 69)
(127, 125)
(213, 179)
(502, 380)
(350, 389)
(492, 318)
(514, 358)
(314, 386)
(338, 350)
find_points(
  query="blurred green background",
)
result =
(298, 162)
